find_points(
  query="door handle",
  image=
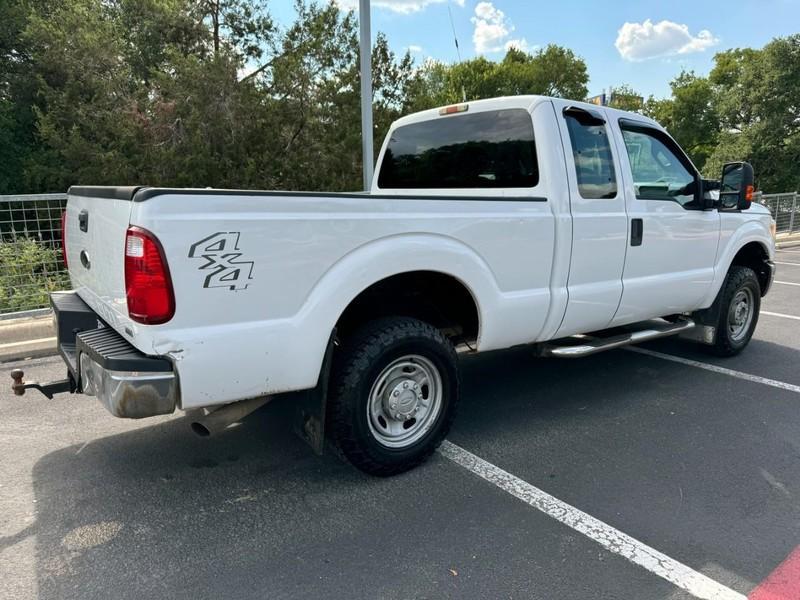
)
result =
(83, 220)
(637, 232)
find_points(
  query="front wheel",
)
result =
(393, 395)
(740, 303)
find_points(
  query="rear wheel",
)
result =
(393, 395)
(740, 303)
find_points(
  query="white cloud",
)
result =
(521, 44)
(415, 49)
(641, 41)
(492, 27)
(405, 7)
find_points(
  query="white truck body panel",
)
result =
(674, 270)
(599, 242)
(261, 278)
(348, 243)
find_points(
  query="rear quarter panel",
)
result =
(260, 280)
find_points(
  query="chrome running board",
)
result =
(595, 345)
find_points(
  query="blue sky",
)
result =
(644, 44)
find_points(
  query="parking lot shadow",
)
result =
(158, 512)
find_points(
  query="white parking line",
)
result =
(607, 536)
(777, 262)
(714, 368)
(787, 283)
(772, 314)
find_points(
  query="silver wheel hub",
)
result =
(740, 314)
(402, 400)
(405, 401)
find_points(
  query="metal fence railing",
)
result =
(31, 264)
(785, 209)
(30, 245)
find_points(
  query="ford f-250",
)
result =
(522, 220)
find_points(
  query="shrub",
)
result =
(29, 271)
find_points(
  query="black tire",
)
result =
(744, 280)
(358, 364)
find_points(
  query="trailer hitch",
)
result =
(48, 389)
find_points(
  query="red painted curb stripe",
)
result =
(783, 583)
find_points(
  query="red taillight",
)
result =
(148, 286)
(64, 238)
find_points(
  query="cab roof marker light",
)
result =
(453, 109)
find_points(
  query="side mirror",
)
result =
(736, 186)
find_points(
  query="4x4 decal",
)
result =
(221, 253)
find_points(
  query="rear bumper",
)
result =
(102, 363)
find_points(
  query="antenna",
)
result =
(453, 27)
(458, 50)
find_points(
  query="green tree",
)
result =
(17, 92)
(212, 92)
(690, 115)
(552, 71)
(758, 100)
(625, 97)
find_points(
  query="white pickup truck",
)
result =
(521, 220)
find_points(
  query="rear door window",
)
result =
(491, 149)
(594, 163)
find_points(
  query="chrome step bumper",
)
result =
(100, 362)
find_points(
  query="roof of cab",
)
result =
(526, 102)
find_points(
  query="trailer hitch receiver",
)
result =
(48, 389)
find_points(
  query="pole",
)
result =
(365, 47)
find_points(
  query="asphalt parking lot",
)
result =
(624, 475)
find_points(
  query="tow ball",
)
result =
(48, 389)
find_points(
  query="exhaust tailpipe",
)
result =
(220, 419)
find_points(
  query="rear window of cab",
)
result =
(490, 149)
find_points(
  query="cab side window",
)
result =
(489, 149)
(594, 163)
(658, 172)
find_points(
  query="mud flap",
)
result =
(707, 319)
(309, 412)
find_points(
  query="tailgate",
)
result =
(97, 219)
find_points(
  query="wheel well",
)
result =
(754, 255)
(433, 297)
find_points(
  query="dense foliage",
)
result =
(747, 108)
(215, 93)
(29, 271)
